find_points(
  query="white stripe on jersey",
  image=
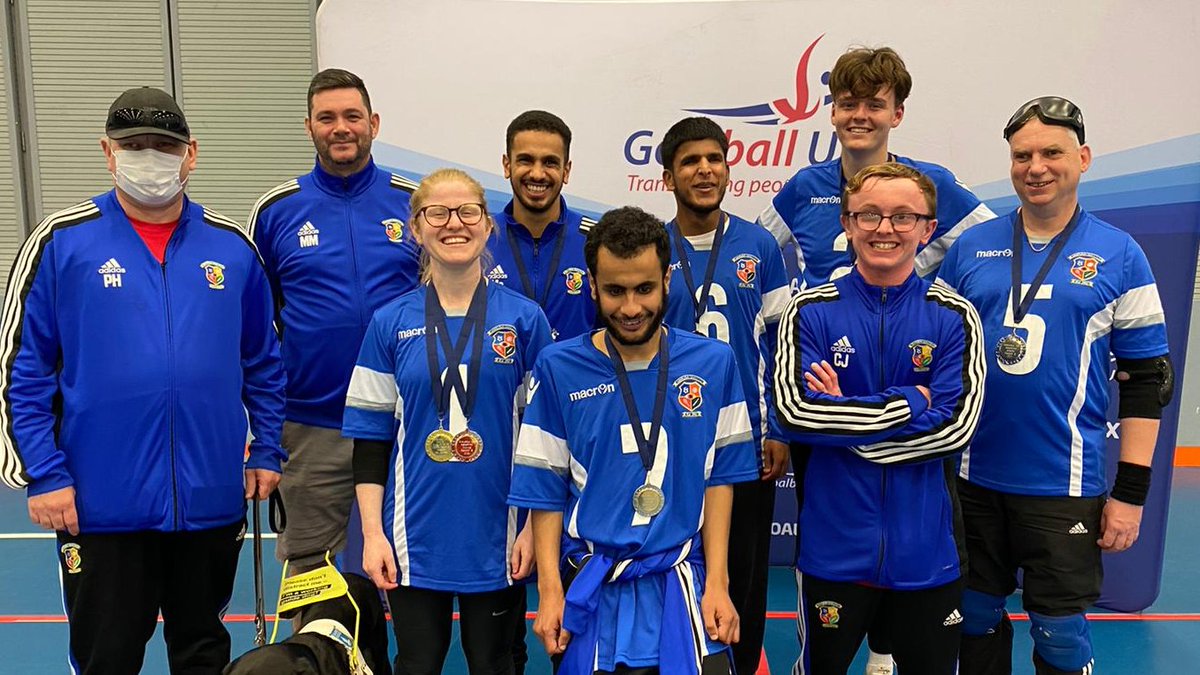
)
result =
(733, 425)
(374, 391)
(399, 519)
(942, 282)
(1099, 325)
(959, 430)
(930, 257)
(252, 222)
(774, 303)
(1138, 307)
(801, 624)
(774, 223)
(541, 449)
(21, 277)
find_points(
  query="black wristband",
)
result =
(1132, 483)
(370, 461)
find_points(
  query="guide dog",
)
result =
(315, 653)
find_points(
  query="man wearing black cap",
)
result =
(1058, 290)
(137, 337)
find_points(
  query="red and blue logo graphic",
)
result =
(504, 342)
(691, 394)
(1084, 267)
(573, 276)
(747, 269)
(781, 110)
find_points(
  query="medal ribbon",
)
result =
(551, 271)
(647, 447)
(435, 322)
(699, 305)
(1021, 305)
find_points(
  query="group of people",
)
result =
(604, 405)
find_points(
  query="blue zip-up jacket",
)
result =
(336, 249)
(131, 380)
(880, 506)
(565, 296)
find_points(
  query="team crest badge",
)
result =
(828, 613)
(71, 558)
(214, 274)
(1084, 268)
(394, 229)
(922, 355)
(504, 342)
(574, 280)
(747, 269)
(690, 390)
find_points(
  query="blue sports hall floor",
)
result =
(1163, 639)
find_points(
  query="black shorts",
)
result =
(1052, 540)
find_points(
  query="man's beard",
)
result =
(613, 327)
(360, 153)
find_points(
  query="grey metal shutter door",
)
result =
(245, 72)
(11, 229)
(82, 54)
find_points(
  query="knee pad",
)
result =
(1063, 642)
(982, 612)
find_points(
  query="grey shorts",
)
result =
(317, 490)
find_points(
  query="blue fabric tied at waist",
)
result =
(681, 640)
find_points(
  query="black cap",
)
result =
(146, 110)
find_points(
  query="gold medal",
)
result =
(468, 446)
(439, 445)
(648, 500)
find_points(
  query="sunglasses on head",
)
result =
(1050, 110)
(129, 118)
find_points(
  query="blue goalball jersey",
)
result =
(748, 293)
(447, 521)
(806, 218)
(577, 454)
(1043, 426)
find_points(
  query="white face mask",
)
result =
(149, 176)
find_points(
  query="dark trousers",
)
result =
(1062, 571)
(115, 585)
(749, 552)
(714, 664)
(421, 620)
(925, 625)
(877, 636)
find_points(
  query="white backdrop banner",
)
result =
(448, 76)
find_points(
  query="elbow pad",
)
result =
(1146, 386)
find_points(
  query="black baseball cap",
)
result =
(146, 110)
(1050, 110)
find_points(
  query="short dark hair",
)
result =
(336, 78)
(861, 72)
(687, 130)
(538, 120)
(625, 231)
(891, 171)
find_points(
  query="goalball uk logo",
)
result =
(765, 134)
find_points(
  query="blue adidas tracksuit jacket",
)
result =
(131, 379)
(879, 502)
(336, 249)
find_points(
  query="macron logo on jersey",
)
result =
(309, 235)
(831, 199)
(994, 253)
(598, 390)
(111, 271)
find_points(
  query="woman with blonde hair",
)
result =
(432, 406)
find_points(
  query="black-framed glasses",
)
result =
(439, 216)
(1050, 110)
(131, 118)
(901, 222)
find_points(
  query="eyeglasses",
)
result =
(439, 216)
(901, 222)
(129, 118)
(1050, 110)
